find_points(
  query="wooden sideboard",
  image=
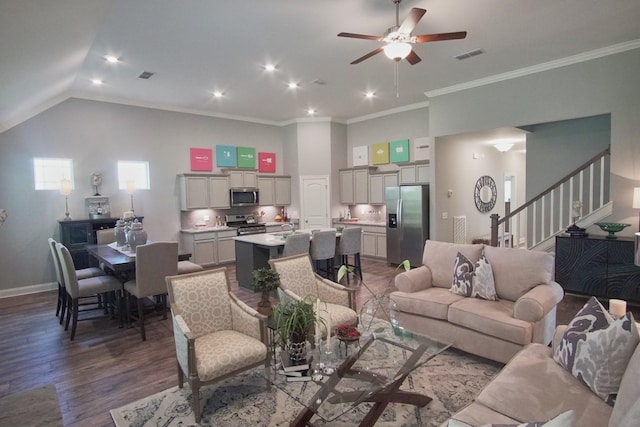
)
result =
(598, 266)
(75, 234)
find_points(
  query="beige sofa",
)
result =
(524, 313)
(533, 387)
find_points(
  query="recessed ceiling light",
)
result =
(311, 111)
(218, 94)
(293, 85)
(112, 59)
(270, 67)
(96, 82)
(369, 94)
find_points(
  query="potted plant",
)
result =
(294, 322)
(265, 280)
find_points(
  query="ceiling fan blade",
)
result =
(411, 20)
(413, 57)
(367, 56)
(361, 36)
(440, 37)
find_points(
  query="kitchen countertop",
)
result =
(361, 222)
(271, 239)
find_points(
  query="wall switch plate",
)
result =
(445, 215)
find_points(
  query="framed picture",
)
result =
(246, 157)
(361, 156)
(201, 159)
(399, 151)
(267, 162)
(422, 148)
(380, 153)
(226, 156)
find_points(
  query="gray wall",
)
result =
(95, 135)
(606, 85)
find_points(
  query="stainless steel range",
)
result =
(245, 224)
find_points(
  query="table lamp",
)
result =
(636, 202)
(65, 190)
(131, 188)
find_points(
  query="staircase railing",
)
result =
(579, 194)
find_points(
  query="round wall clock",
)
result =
(485, 193)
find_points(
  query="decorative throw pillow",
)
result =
(565, 419)
(596, 349)
(483, 285)
(462, 273)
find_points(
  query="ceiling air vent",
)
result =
(146, 75)
(469, 54)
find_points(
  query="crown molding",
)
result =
(389, 112)
(569, 60)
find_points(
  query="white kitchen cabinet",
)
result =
(226, 247)
(243, 179)
(203, 191)
(219, 192)
(194, 192)
(414, 173)
(354, 185)
(282, 190)
(346, 186)
(377, 184)
(267, 190)
(210, 248)
(374, 242)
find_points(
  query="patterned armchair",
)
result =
(298, 280)
(216, 335)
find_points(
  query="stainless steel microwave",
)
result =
(244, 196)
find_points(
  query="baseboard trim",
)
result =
(26, 290)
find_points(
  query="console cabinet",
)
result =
(597, 266)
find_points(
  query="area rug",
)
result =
(452, 379)
(34, 408)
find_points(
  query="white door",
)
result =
(314, 202)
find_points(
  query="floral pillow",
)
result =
(462, 275)
(596, 349)
(483, 284)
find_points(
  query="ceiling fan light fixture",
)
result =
(397, 50)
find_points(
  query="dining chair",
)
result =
(154, 262)
(80, 274)
(298, 280)
(296, 244)
(105, 236)
(350, 243)
(323, 250)
(186, 267)
(76, 288)
(216, 335)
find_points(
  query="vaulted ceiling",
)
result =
(51, 50)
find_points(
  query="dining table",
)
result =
(123, 264)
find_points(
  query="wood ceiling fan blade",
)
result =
(440, 37)
(367, 56)
(361, 36)
(410, 22)
(413, 57)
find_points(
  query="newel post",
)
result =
(494, 229)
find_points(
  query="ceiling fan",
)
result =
(398, 38)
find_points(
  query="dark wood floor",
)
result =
(106, 367)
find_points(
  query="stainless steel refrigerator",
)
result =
(407, 223)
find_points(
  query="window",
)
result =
(133, 175)
(48, 173)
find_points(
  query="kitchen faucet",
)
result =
(288, 226)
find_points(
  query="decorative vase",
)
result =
(137, 236)
(297, 350)
(121, 235)
(264, 306)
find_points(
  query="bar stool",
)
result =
(296, 244)
(323, 248)
(350, 243)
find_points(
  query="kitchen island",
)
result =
(254, 251)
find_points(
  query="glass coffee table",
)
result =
(373, 372)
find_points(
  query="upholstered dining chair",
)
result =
(296, 244)
(216, 335)
(154, 262)
(298, 281)
(349, 245)
(105, 236)
(82, 288)
(185, 267)
(322, 251)
(83, 273)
